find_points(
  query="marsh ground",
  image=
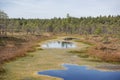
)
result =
(26, 68)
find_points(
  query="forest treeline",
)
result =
(69, 25)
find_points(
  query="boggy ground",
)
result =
(17, 46)
(26, 68)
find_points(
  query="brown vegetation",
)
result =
(105, 50)
(13, 47)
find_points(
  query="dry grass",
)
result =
(27, 67)
(103, 49)
(17, 47)
(106, 51)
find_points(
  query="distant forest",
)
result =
(101, 25)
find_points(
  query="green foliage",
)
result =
(69, 25)
(105, 40)
(98, 31)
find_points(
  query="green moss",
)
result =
(29, 78)
(2, 72)
(81, 53)
(39, 48)
(76, 51)
(85, 42)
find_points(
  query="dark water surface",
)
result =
(59, 44)
(75, 72)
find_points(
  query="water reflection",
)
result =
(75, 72)
(59, 44)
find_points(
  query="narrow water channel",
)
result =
(75, 72)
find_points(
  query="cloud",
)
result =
(59, 8)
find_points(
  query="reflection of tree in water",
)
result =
(66, 44)
(70, 44)
(47, 45)
(59, 44)
(63, 44)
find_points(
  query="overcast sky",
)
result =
(59, 8)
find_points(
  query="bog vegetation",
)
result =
(103, 31)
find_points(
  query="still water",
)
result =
(75, 72)
(59, 44)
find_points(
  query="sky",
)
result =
(59, 8)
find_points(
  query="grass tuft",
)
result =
(81, 53)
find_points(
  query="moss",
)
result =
(85, 42)
(76, 51)
(2, 42)
(31, 50)
(2, 72)
(2, 69)
(39, 49)
(81, 53)
(29, 78)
